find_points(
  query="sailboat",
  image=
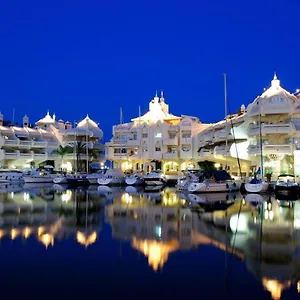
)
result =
(258, 185)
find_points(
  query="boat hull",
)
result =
(110, 181)
(257, 187)
(213, 187)
(134, 181)
(37, 179)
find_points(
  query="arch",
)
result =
(157, 146)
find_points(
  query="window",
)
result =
(145, 135)
(185, 148)
(276, 100)
(186, 135)
(172, 135)
(158, 134)
(120, 150)
(157, 147)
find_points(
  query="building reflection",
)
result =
(50, 215)
(162, 224)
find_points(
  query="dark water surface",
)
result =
(101, 242)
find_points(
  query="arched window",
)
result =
(157, 133)
(144, 132)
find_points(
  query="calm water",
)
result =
(101, 242)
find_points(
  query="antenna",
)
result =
(13, 117)
(121, 115)
(225, 103)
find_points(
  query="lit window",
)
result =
(158, 135)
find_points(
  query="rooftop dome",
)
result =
(91, 126)
(47, 119)
(60, 121)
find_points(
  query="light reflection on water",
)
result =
(162, 226)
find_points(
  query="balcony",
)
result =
(253, 130)
(222, 135)
(133, 142)
(222, 151)
(206, 153)
(40, 156)
(26, 155)
(25, 144)
(186, 154)
(186, 140)
(11, 155)
(52, 144)
(11, 142)
(279, 149)
(253, 149)
(170, 155)
(208, 137)
(39, 144)
(279, 128)
(171, 141)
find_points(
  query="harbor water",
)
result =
(130, 243)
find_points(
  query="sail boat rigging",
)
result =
(258, 185)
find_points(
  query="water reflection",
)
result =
(258, 230)
(49, 213)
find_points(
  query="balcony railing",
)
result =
(11, 142)
(171, 141)
(280, 128)
(52, 144)
(204, 153)
(40, 144)
(222, 151)
(253, 149)
(280, 149)
(170, 155)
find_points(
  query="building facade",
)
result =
(263, 138)
(57, 143)
(156, 140)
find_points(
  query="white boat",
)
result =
(36, 176)
(184, 181)
(61, 179)
(287, 186)
(155, 178)
(10, 176)
(256, 186)
(209, 186)
(112, 177)
(93, 178)
(135, 179)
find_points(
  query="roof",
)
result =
(91, 126)
(46, 120)
(158, 110)
(275, 90)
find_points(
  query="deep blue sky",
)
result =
(75, 57)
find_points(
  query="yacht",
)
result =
(76, 179)
(36, 176)
(219, 181)
(10, 176)
(256, 185)
(286, 185)
(112, 177)
(184, 181)
(93, 178)
(155, 178)
(135, 179)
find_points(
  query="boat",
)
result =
(184, 181)
(135, 179)
(71, 179)
(11, 176)
(256, 186)
(37, 176)
(112, 177)
(93, 178)
(286, 185)
(155, 178)
(219, 181)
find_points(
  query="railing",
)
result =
(206, 152)
(170, 155)
(41, 144)
(222, 150)
(11, 155)
(26, 144)
(52, 144)
(280, 149)
(280, 128)
(254, 149)
(171, 141)
(10, 142)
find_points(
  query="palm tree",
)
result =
(207, 165)
(62, 152)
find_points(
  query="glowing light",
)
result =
(65, 197)
(41, 230)
(14, 233)
(26, 196)
(127, 198)
(275, 287)
(27, 232)
(217, 165)
(47, 239)
(66, 166)
(86, 241)
(156, 251)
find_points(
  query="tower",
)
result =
(25, 121)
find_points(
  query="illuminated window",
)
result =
(158, 135)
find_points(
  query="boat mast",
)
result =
(141, 143)
(226, 127)
(74, 150)
(261, 144)
(86, 146)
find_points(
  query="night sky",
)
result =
(77, 57)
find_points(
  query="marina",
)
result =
(155, 236)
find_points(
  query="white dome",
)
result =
(91, 126)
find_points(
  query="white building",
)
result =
(156, 140)
(267, 135)
(27, 146)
